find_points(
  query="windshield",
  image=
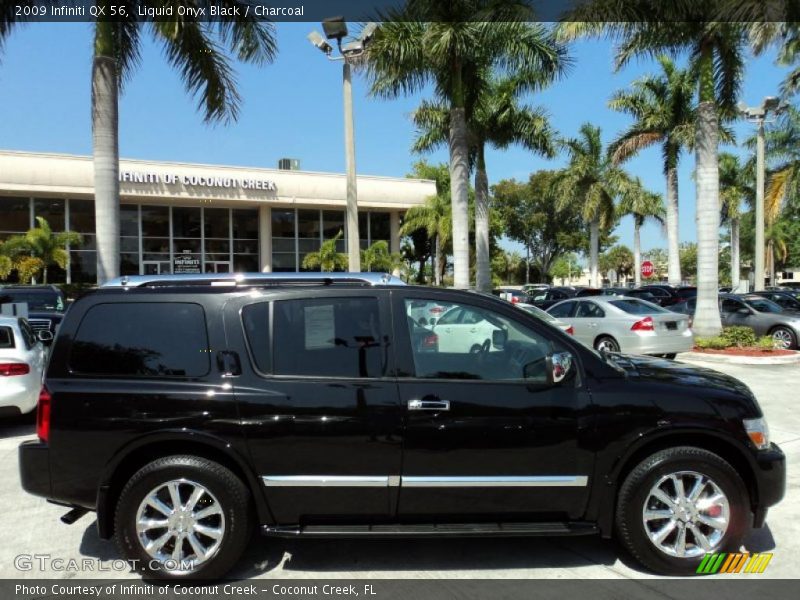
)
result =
(763, 305)
(35, 300)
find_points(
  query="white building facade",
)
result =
(196, 218)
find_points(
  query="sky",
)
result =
(293, 108)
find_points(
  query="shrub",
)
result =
(712, 343)
(740, 337)
(766, 343)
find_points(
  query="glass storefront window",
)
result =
(51, 210)
(218, 246)
(83, 266)
(308, 224)
(379, 227)
(16, 215)
(129, 263)
(155, 221)
(180, 246)
(155, 245)
(283, 223)
(282, 262)
(332, 223)
(186, 222)
(81, 216)
(216, 222)
(245, 223)
(128, 220)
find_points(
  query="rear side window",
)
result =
(144, 339)
(329, 337)
(562, 311)
(6, 338)
(637, 307)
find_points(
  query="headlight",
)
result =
(758, 432)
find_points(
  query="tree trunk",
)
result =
(707, 318)
(637, 253)
(105, 124)
(437, 262)
(44, 275)
(483, 274)
(459, 185)
(770, 262)
(673, 241)
(594, 250)
(735, 269)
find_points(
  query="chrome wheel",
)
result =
(686, 514)
(783, 339)
(607, 345)
(180, 524)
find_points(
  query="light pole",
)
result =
(759, 115)
(336, 28)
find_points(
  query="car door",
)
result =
(485, 434)
(587, 321)
(318, 401)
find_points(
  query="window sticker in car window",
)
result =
(319, 326)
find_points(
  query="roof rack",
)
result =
(250, 279)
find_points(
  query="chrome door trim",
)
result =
(325, 480)
(423, 482)
(502, 481)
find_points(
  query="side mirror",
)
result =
(559, 366)
(45, 336)
(499, 338)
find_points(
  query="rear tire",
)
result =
(186, 507)
(606, 343)
(651, 504)
(784, 338)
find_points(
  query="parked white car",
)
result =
(22, 360)
(462, 329)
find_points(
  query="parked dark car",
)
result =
(188, 411)
(46, 304)
(544, 299)
(786, 300)
(667, 295)
(763, 316)
(512, 295)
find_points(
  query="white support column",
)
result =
(265, 237)
(394, 231)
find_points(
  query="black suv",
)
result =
(189, 410)
(46, 304)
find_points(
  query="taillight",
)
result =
(570, 330)
(430, 341)
(645, 324)
(514, 299)
(43, 414)
(11, 369)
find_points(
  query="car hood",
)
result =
(672, 372)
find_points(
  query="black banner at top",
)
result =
(412, 10)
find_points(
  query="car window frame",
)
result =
(405, 367)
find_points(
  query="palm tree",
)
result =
(435, 218)
(643, 206)
(663, 108)
(735, 183)
(327, 258)
(715, 43)
(591, 182)
(50, 248)
(496, 119)
(192, 48)
(378, 258)
(448, 44)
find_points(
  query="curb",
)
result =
(740, 360)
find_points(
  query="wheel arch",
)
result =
(149, 448)
(725, 447)
(600, 336)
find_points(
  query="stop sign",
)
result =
(648, 269)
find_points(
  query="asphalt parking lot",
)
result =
(31, 526)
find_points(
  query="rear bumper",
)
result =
(658, 344)
(19, 393)
(34, 468)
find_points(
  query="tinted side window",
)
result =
(144, 339)
(590, 310)
(255, 320)
(730, 306)
(329, 337)
(562, 310)
(6, 338)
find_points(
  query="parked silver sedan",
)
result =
(627, 325)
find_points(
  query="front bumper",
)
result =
(34, 468)
(770, 475)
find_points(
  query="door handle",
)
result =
(428, 405)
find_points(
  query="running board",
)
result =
(432, 530)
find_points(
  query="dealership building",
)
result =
(196, 218)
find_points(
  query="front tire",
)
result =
(784, 338)
(678, 505)
(183, 517)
